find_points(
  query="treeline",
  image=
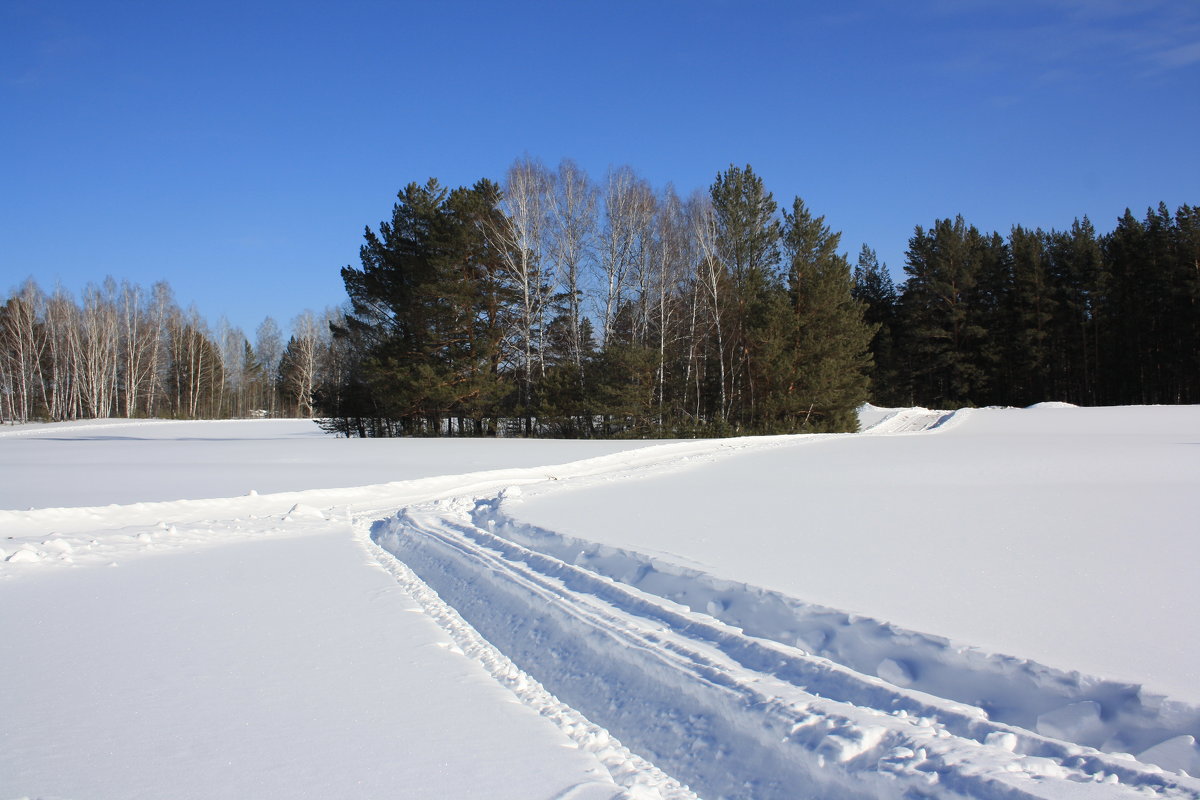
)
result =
(125, 351)
(554, 305)
(1073, 315)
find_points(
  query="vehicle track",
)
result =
(731, 714)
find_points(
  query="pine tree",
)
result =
(1032, 307)
(874, 288)
(747, 248)
(941, 313)
(1186, 306)
(830, 352)
(1076, 267)
(430, 310)
(1129, 309)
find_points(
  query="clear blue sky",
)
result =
(238, 149)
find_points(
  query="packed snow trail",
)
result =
(1088, 711)
(639, 777)
(731, 714)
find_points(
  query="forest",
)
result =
(122, 350)
(552, 304)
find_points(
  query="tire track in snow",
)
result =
(733, 715)
(1107, 715)
(639, 778)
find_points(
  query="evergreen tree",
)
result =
(1129, 310)
(747, 248)
(874, 288)
(1076, 267)
(1148, 308)
(829, 352)
(1185, 311)
(943, 324)
(566, 396)
(623, 376)
(430, 309)
(1032, 310)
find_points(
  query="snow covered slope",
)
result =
(987, 603)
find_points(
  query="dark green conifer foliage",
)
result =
(830, 345)
(945, 330)
(747, 240)
(1128, 294)
(1076, 267)
(430, 311)
(567, 389)
(1186, 305)
(623, 376)
(874, 288)
(1032, 310)
(1148, 309)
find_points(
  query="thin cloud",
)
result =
(1068, 40)
(1179, 57)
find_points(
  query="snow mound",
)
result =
(1052, 404)
(1179, 754)
(301, 511)
(26, 555)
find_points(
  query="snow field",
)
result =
(1063, 536)
(737, 618)
(457, 740)
(102, 462)
(274, 667)
(250, 646)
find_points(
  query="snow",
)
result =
(984, 603)
(1063, 536)
(101, 462)
(283, 668)
(248, 646)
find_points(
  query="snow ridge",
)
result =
(912, 420)
(638, 777)
(1107, 715)
(730, 713)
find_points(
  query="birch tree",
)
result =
(268, 346)
(628, 207)
(21, 346)
(299, 365)
(523, 243)
(573, 231)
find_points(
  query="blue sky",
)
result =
(237, 150)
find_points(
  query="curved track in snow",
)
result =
(738, 692)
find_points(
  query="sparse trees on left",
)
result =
(123, 350)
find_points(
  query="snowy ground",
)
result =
(991, 603)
